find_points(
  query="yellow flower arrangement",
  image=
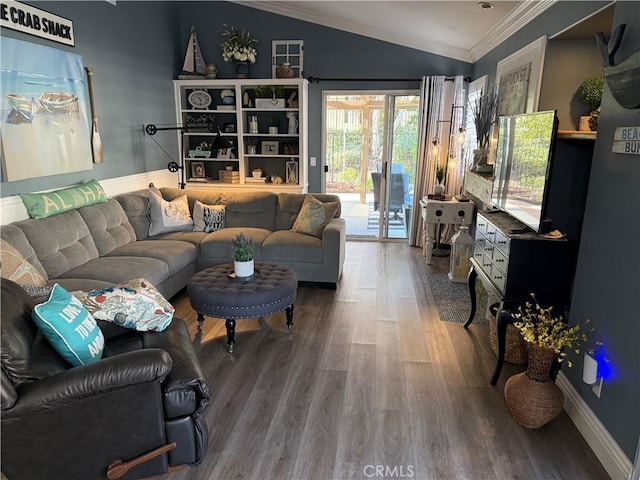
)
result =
(542, 327)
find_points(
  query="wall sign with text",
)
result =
(31, 20)
(626, 140)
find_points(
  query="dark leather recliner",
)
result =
(61, 422)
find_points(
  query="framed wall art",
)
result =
(269, 147)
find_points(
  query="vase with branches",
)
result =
(484, 111)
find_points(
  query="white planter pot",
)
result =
(273, 130)
(243, 269)
(439, 189)
(270, 103)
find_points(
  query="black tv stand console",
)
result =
(514, 265)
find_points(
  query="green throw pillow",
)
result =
(314, 216)
(69, 327)
(41, 205)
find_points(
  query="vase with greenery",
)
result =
(589, 93)
(484, 117)
(439, 188)
(239, 48)
(532, 396)
(243, 250)
(273, 123)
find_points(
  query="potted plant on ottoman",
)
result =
(242, 255)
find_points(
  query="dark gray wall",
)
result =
(607, 284)
(328, 53)
(132, 50)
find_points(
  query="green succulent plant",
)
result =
(242, 248)
(441, 171)
(590, 92)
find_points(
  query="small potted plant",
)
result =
(589, 93)
(440, 188)
(256, 173)
(273, 123)
(242, 255)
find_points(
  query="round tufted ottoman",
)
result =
(214, 293)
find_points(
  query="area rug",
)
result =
(452, 299)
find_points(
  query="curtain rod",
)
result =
(318, 79)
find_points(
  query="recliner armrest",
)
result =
(109, 374)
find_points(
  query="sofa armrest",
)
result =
(333, 245)
(185, 385)
(107, 375)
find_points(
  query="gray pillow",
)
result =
(169, 216)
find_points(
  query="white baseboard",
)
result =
(613, 459)
(12, 209)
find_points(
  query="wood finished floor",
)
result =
(370, 379)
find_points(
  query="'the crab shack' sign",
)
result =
(626, 140)
(27, 19)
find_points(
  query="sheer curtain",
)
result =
(440, 142)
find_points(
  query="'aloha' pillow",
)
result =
(314, 216)
(41, 205)
(134, 304)
(208, 218)
(69, 327)
(15, 267)
(169, 216)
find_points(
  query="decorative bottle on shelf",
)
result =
(461, 251)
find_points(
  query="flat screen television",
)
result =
(523, 164)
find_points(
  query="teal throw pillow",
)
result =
(69, 327)
(41, 205)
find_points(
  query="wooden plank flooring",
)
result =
(370, 379)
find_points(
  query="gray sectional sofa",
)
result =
(106, 243)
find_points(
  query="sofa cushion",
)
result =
(136, 207)
(218, 244)
(289, 205)
(16, 238)
(134, 304)
(41, 205)
(208, 218)
(116, 269)
(69, 327)
(288, 246)
(61, 242)
(15, 267)
(314, 216)
(168, 216)
(109, 225)
(174, 253)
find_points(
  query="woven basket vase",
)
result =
(533, 398)
(515, 350)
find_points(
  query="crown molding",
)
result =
(514, 21)
(370, 32)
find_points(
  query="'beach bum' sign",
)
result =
(27, 19)
(626, 140)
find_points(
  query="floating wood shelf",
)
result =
(576, 135)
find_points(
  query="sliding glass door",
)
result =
(369, 149)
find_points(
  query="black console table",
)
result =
(513, 262)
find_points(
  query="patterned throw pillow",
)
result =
(134, 304)
(41, 205)
(208, 218)
(69, 327)
(16, 268)
(169, 216)
(314, 216)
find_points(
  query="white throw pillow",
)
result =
(208, 218)
(169, 216)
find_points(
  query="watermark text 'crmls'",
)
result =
(388, 471)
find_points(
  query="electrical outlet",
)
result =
(312, 161)
(597, 388)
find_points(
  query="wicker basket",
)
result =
(515, 348)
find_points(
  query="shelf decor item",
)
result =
(242, 255)
(439, 188)
(532, 396)
(239, 48)
(484, 116)
(589, 93)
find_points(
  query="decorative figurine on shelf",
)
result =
(292, 101)
(194, 65)
(212, 71)
(293, 123)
